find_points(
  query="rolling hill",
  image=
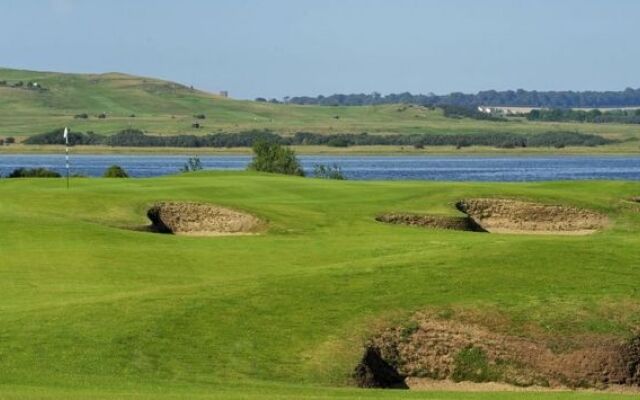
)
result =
(162, 107)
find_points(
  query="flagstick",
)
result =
(67, 162)
(66, 153)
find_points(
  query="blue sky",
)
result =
(302, 47)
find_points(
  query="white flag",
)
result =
(65, 135)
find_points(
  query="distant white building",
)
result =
(494, 110)
(517, 110)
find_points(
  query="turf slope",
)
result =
(91, 309)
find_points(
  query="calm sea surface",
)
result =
(452, 168)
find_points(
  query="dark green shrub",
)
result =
(328, 172)
(274, 158)
(81, 116)
(338, 142)
(33, 173)
(134, 137)
(56, 137)
(200, 116)
(115, 171)
(193, 164)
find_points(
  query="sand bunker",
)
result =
(499, 215)
(445, 350)
(507, 216)
(200, 219)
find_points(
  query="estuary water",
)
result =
(449, 168)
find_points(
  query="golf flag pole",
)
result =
(66, 152)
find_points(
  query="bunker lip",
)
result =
(432, 221)
(432, 353)
(200, 219)
(507, 216)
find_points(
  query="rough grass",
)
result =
(91, 310)
(472, 365)
(167, 108)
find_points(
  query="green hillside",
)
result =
(162, 107)
(92, 308)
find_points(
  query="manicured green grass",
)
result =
(91, 309)
(251, 390)
(162, 107)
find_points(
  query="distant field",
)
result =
(94, 308)
(162, 107)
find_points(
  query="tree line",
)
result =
(594, 116)
(137, 138)
(524, 98)
(452, 111)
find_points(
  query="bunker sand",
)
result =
(197, 219)
(508, 216)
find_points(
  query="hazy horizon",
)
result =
(304, 48)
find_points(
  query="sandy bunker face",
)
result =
(507, 216)
(432, 349)
(200, 219)
(501, 215)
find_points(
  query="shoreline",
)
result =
(610, 150)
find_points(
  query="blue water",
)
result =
(452, 168)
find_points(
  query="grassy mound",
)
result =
(112, 102)
(90, 310)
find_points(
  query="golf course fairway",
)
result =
(93, 306)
